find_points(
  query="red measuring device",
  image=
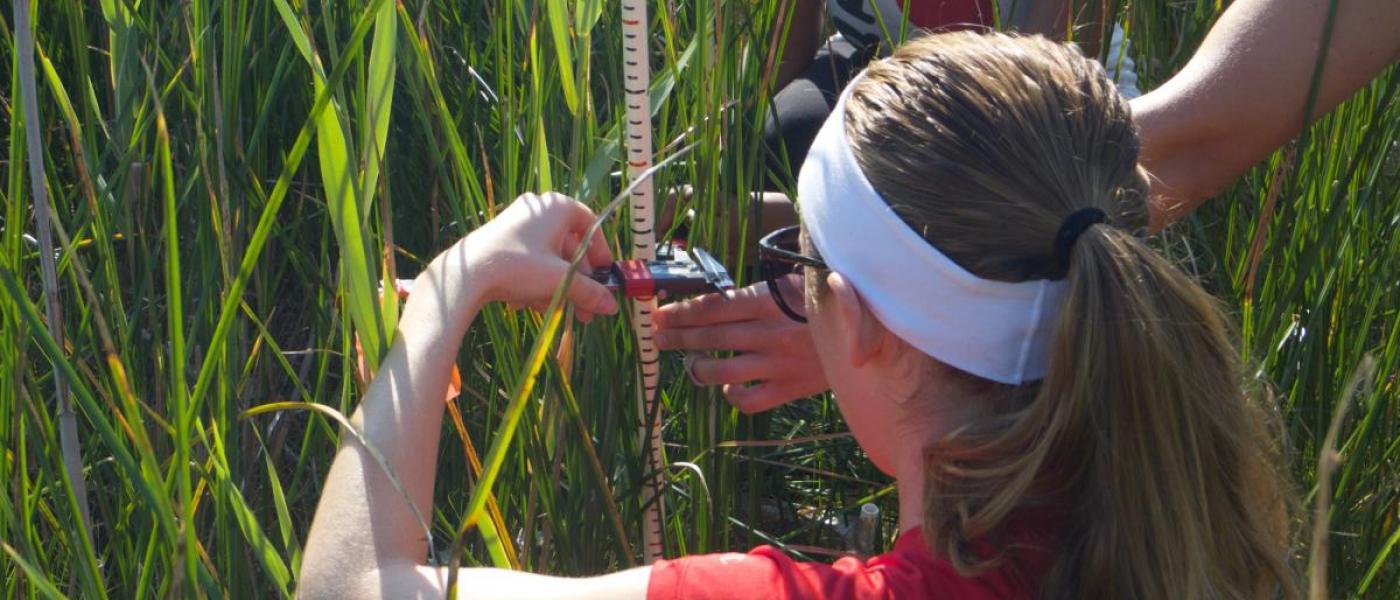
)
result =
(677, 271)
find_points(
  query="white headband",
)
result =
(992, 329)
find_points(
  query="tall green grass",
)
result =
(236, 179)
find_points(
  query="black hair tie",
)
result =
(1070, 229)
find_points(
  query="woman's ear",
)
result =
(864, 335)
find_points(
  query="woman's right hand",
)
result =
(522, 254)
(776, 361)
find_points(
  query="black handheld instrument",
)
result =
(677, 271)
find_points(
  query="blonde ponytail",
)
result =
(1173, 493)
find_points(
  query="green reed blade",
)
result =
(559, 22)
(36, 576)
(380, 100)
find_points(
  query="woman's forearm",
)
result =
(363, 524)
(1243, 93)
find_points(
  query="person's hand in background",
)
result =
(775, 362)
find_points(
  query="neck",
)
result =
(932, 418)
(910, 479)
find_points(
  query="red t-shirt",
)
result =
(910, 570)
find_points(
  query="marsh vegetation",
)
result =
(232, 182)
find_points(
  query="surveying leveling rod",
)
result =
(636, 72)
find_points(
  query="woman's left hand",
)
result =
(520, 256)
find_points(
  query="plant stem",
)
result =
(67, 423)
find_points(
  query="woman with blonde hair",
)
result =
(1062, 410)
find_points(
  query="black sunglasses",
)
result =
(779, 255)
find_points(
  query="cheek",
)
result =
(825, 338)
(829, 344)
(860, 404)
(826, 344)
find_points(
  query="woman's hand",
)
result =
(520, 256)
(777, 362)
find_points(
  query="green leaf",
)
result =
(380, 100)
(338, 177)
(559, 22)
(261, 547)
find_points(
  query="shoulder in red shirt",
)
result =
(910, 570)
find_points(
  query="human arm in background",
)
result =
(1050, 18)
(1239, 98)
(365, 541)
(1243, 93)
(803, 39)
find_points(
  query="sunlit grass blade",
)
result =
(495, 456)
(1326, 466)
(343, 185)
(290, 545)
(559, 22)
(379, 98)
(500, 548)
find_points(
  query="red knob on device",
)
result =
(637, 281)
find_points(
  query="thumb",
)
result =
(591, 296)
